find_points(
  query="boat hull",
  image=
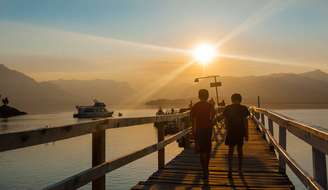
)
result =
(93, 115)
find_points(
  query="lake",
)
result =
(38, 166)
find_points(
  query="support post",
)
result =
(282, 143)
(270, 123)
(262, 119)
(319, 167)
(161, 152)
(263, 123)
(257, 114)
(99, 157)
(216, 92)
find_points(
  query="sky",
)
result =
(150, 40)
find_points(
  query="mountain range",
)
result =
(308, 89)
(282, 90)
(58, 95)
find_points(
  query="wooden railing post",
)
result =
(263, 123)
(282, 143)
(319, 167)
(262, 119)
(99, 157)
(161, 152)
(270, 124)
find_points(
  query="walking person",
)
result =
(235, 118)
(202, 115)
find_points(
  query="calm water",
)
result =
(38, 166)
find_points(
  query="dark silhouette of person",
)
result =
(211, 101)
(235, 118)
(223, 103)
(5, 101)
(202, 115)
(160, 111)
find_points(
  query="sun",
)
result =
(205, 53)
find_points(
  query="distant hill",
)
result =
(41, 97)
(282, 90)
(109, 91)
(31, 96)
(287, 90)
(317, 75)
(279, 89)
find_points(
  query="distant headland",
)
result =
(8, 111)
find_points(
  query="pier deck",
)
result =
(260, 169)
(265, 158)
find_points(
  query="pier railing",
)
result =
(316, 138)
(96, 174)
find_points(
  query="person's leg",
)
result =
(230, 155)
(206, 163)
(203, 160)
(208, 156)
(240, 157)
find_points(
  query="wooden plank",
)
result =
(91, 174)
(304, 177)
(260, 169)
(15, 140)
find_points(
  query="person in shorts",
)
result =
(202, 115)
(235, 118)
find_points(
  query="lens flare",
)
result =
(204, 53)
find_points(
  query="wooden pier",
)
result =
(260, 171)
(265, 158)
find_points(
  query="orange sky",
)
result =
(139, 44)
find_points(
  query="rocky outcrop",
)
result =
(7, 111)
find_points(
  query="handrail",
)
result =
(15, 140)
(88, 175)
(311, 135)
(96, 174)
(304, 177)
(316, 138)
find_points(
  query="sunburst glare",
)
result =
(205, 53)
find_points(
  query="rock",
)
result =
(7, 111)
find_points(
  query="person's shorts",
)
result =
(232, 140)
(204, 140)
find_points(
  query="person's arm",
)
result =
(246, 128)
(225, 117)
(213, 116)
(246, 123)
(193, 122)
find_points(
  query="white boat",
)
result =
(95, 111)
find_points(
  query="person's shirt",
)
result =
(202, 113)
(235, 115)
